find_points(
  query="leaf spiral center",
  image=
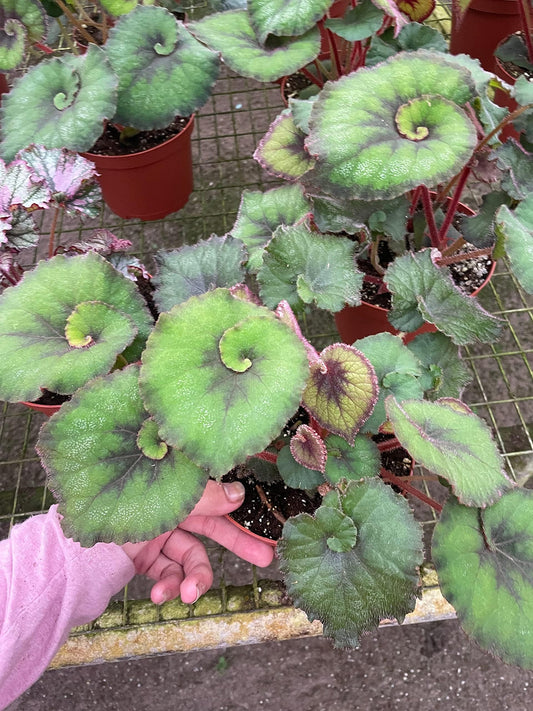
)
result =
(411, 119)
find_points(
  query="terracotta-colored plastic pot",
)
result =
(47, 410)
(251, 533)
(503, 99)
(485, 24)
(355, 322)
(151, 184)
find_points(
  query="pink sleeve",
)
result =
(49, 584)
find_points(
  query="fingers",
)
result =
(197, 575)
(219, 499)
(222, 531)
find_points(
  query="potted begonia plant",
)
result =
(149, 71)
(222, 382)
(383, 155)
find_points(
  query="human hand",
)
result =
(178, 561)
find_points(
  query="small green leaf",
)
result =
(281, 151)
(421, 291)
(99, 454)
(341, 391)
(446, 372)
(358, 24)
(260, 214)
(516, 228)
(221, 376)
(285, 17)
(345, 461)
(232, 34)
(485, 566)
(479, 229)
(163, 71)
(296, 475)
(304, 267)
(308, 448)
(356, 562)
(118, 7)
(453, 444)
(515, 161)
(35, 351)
(195, 269)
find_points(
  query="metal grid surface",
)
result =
(243, 608)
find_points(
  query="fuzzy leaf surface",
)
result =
(384, 216)
(345, 461)
(163, 70)
(295, 474)
(52, 96)
(304, 267)
(451, 443)
(281, 151)
(423, 292)
(479, 229)
(285, 18)
(108, 488)
(516, 228)
(232, 34)
(34, 348)
(484, 560)
(381, 131)
(20, 187)
(352, 588)
(412, 37)
(196, 269)
(118, 7)
(341, 391)
(357, 24)
(71, 178)
(221, 376)
(23, 22)
(261, 213)
(445, 375)
(308, 448)
(515, 161)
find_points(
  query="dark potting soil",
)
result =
(50, 398)
(294, 84)
(109, 143)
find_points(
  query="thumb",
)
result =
(219, 499)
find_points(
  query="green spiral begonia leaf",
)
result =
(113, 476)
(381, 131)
(354, 563)
(285, 17)
(221, 376)
(163, 71)
(64, 323)
(64, 101)
(232, 34)
(22, 22)
(484, 561)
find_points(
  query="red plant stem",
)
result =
(445, 261)
(459, 242)
(452, 207)
(273, 510)
(526, 22)
(409, 489)
(389, 444)
(267, 457)
(51, 239)
(415, 198)
(44, 48)
(333, 48)
(354, 57)
(430, 217)
(508, 119)
(312, 77)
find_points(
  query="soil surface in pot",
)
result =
(50, 398)
(267, 505)
(515, 70)
(109, 143)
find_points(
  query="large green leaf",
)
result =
(114, 478)
(52, 96)
(305, 267)
(285, 17)
(260, 214)
(516, 228)
(64, 323)
(384, 130)
(445, 374)
(195, 269)
(358, 24)
(484, 561)
(455, 444)
(23, 22)
(354, 563)
(232, 34)
(421, 291)
(281, 151)
(163, 71)
(342, 390)
(221, 377)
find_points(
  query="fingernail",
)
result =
(234, 491)
(198, 593)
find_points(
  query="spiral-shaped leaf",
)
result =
(114, 477)
(163, 71)
(64, 323)
(384, 130)
(221, 376)
(285, 17)
(64, 101)
(232, 34)
(22, 22)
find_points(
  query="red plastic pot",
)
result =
(4, 86)
(485, 24)
(355, 322)
(251, 533)
(47, 410)
(149, 185)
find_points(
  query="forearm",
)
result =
(48, 585)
